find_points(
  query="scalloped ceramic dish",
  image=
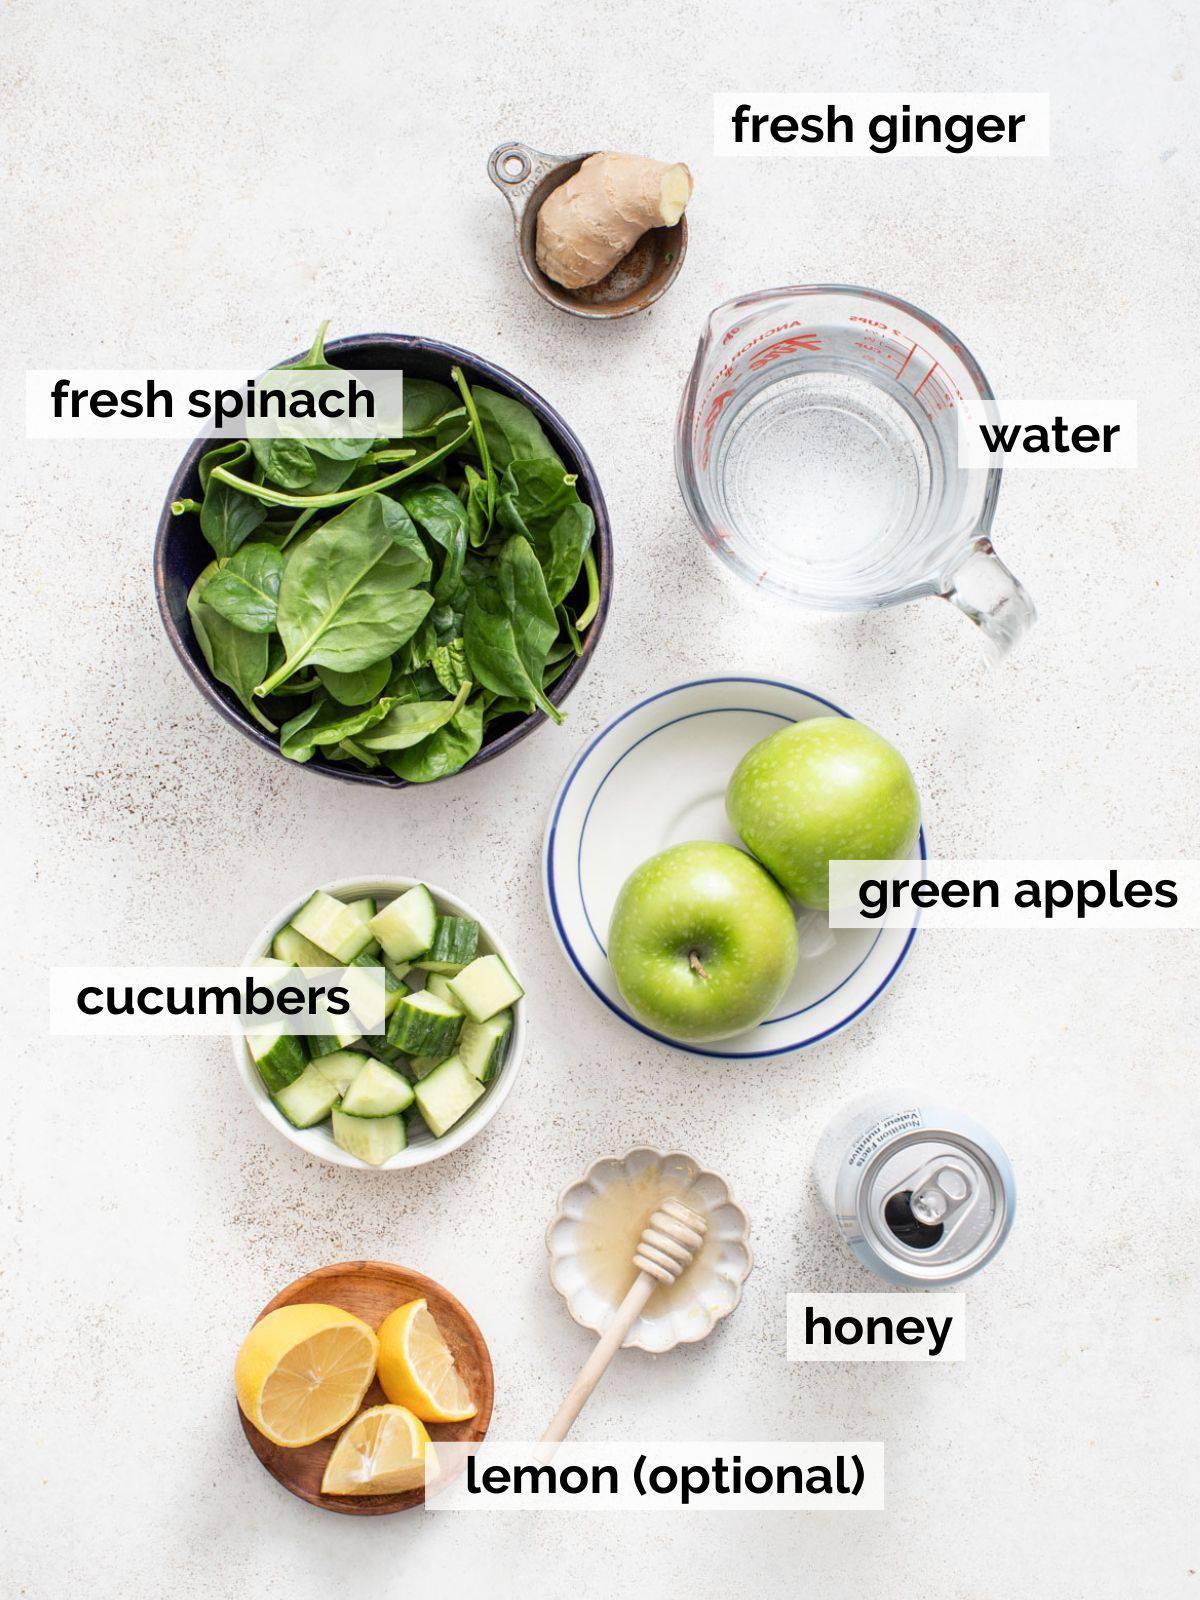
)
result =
(600, 1218)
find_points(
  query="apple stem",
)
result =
(696, 964)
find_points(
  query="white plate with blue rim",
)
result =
(655, 777)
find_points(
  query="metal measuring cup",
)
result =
(525, 177)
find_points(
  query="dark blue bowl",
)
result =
(181, 552)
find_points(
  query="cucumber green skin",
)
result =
(387, 1053)
(455, 940)
(418, 1033)
(483, 1045)
(308, 1100)
(327, 1044)
(282, 1063)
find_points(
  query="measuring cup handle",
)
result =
(516, 169)
(986, 590)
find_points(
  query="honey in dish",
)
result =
(609, 1234)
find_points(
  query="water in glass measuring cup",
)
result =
(818, 453)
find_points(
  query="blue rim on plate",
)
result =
(555, 909)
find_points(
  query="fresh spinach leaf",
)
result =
(443, 752)
(512, 431)
(245, 589)
(235, 658)
(475, 498)
(327, 723)
(227, 517)
(441, 515)
(406, 725)
(348, 598)
(425, 403)
(510, 626)
(356, 688)
(450, 665)
(539, 501)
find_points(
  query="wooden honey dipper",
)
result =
(667, 1247)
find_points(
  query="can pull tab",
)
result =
(939, 1196)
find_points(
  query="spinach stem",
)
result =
(593, 602)
(339, 497)
(485, 455)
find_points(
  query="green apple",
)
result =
(702, 943)
(829, 789)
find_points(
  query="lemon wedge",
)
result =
(384, 1451)
(302, 1372)
(416, 1368)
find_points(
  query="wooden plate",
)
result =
(372, 1289)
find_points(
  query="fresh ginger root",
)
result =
(588, 223)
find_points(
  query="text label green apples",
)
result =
(828, 789)
(703, 944)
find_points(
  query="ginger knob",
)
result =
(588, 223)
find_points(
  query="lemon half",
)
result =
(416, 1368)
(303, 1371)
(385, 1450)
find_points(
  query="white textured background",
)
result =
(196, 185)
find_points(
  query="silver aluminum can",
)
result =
(924, 1196)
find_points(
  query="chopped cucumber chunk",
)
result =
(279, 1057)
(308, 1100)
(405, 929)
(447, 1094)
(485, 987)
(332, 926)
(398, 969)
(392, 987)
(422, 1066)
(439, 985)
(364, 910)
(455, 940)
(388, 1053)
(290, 945)
(377, 1091)
(341, 1068)
(423, 1025)
(481, 1045)
(372, 1139)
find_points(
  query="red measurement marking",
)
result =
(907, 359)
(719, 402)
(925, 380)
(785, 347)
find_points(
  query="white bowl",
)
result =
(707, 1291)
(422, 1146)
(655, 777)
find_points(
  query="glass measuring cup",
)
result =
(817, 449)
